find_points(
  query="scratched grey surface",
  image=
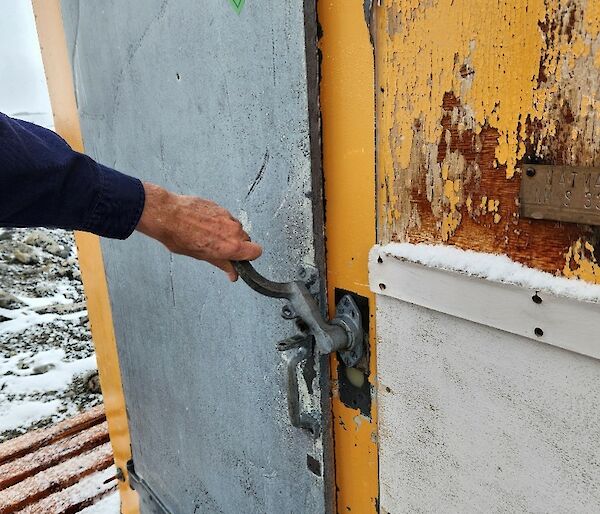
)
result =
(194, 97)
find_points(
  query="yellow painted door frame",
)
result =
(348, 114)
(66, 122)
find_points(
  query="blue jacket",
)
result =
(44, 183)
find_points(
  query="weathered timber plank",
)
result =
(14, 471)
(76, 497)
(462, 114)
(54, 479)
(30, 442)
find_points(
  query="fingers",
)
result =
(199, 228)
(246, 251)
(226, 266)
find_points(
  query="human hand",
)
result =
(199, 228)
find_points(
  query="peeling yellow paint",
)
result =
(484, 203)
(358, 421)
(592, 18)
(493, 205)
(580, 262)
(466, 91)
(441, 37)
(469, 204)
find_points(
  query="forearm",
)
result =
(43, 182)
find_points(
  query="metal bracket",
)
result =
(151, 502)
(294, 357)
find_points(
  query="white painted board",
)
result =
(561, 321)
(474, 419)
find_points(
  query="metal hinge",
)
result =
(151, 503)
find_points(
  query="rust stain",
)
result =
(466, 95)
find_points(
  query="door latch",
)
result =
(342, 334)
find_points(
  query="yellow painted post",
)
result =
(348, 110)
(66, 121)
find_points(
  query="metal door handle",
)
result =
(343, 334)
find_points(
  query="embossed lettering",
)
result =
(562, 178)
(562, 193)
(538, 195)
(547, 195)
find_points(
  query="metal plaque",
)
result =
(561, 193)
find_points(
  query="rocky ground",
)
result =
(47, 361)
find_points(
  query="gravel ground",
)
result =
(47, 362)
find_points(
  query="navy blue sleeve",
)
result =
(44, 183)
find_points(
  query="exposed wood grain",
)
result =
(76, 497)
(470, 94)
(54, 479)
(536, 243)
(14, 471)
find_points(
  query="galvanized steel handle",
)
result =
(344, 334)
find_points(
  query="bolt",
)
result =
(538, 332)
(286, 311)
(530, 172)
(536, 299)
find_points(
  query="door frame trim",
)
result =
(61, 90)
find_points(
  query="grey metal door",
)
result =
(196, 97)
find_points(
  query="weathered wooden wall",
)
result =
(468, 91)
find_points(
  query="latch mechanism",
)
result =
(343, 334)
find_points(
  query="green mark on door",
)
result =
(238, 5)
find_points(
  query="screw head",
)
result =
(530, 172)
(538, 332)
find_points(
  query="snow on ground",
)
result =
(497, 268)
(47, 362)
(110, 504)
